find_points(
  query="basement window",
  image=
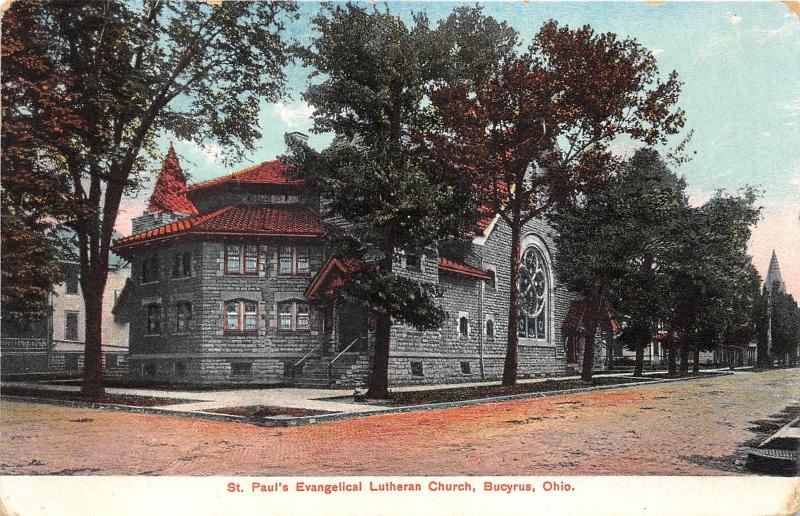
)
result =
(416, 369)
(241, 369)
(465, 368)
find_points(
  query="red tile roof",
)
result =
(331, 277)
(270, 220)
(462, 269)
(273, 172)
(169, 193)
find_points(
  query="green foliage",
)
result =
(393, 194)
(785, 325)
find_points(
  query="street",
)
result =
(684, 428)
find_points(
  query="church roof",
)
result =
(268, 220)
(774, 279)
(169, 193)
(462, 269)
(273, 172)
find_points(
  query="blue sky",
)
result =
(740, 65)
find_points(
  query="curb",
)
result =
(340, 416)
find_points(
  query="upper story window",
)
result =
(241, 259)
(293, 260)
(492, 283)
(293, 315)
(154, 319)
(241, 316)
(182, 265)
(150, 269)
(71, 278)
(463, 326)
(71, 326)
(490, 328)
(532, 282)
(413, 262)
(183, 314)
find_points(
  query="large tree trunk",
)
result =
(592, 315)
(696, 361)
(684, 357)
(512, 344)
(93, 287)
(379, 380)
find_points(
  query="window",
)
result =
(416, 369)
(71, 278)
(150, 269)
(302, 316)
(71, 361)
(70, 325)
(293, 260)
(492, 283)
(241, 259)
(413, 262)
(149, 369)
(241, 316)
(241, 368)
(154, 319)
(302, 260)
(293, 315)
(180, 368)
(463, 326)
(182, 265)
(465, 368)
(490, 328)
(532, 283)
(183, 314)
(111, 360)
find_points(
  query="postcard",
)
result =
(400, 258)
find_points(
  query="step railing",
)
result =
(305, 357)
(337, 357)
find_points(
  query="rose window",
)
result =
(532, 282)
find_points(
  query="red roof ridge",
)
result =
(267, 172)
(463, 269)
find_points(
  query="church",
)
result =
(232, 283)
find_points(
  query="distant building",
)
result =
(232, 282)
(774, 282)
(55, 343)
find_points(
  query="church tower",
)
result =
(773, 281)
(168, 202)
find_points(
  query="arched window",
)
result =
(463, 326)
(490, 328)
(532, 283)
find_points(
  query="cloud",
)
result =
(209, 151)
(699, 198)
(794, 106)
(657, 51)
(295, 115)
(128, 209)
(733, 19)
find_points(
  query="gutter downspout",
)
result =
(482, 323)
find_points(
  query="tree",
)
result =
(33, 187)
(785, 328)
(394, 196)
(613, 240)
(129, 72)
(537, 130)
(711, 273)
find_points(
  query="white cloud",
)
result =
(295, 115)
(794, 106)
(657, 51)
(699, 198)
(210, 152)
(733, 19)
(766, 134)
(622, 149)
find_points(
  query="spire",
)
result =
(773, 279)
(169, 193)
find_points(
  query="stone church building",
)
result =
(232, 283)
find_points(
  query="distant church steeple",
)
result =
(169, 201)
(773, 281)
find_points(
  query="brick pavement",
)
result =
(682, 428)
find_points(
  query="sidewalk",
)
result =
(288, 397)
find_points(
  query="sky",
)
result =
(740, 67)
